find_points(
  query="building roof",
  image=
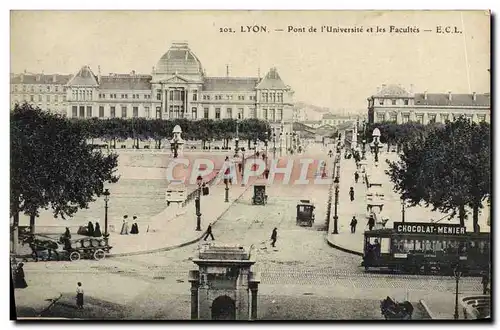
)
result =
(179, 59)
(229, 84)
(272, 80)
(34, 78)
(84, 77)
(442, 99)
(335, 116)
(125, 82)
(392, 90)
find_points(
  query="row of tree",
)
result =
(52, 166)
(141, 129)
(394, 134)
(447, 166)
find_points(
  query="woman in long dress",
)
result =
(20, 281)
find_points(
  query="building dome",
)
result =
(179, 59)
(392, 90)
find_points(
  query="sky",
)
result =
(335, 70)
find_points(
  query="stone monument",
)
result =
(176, 191)
(223, 287)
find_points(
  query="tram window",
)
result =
(438, 246)
(409, 245)
(428, 246)
(385, 245)
(452, 247)
(398, 245)
(418, 245)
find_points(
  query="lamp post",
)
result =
(281, 142)
(242, 167)
(175, 148)
(255, 146)
(265, 145)
(376, 151)
(274, 145)
(402, 209)
(236, 140)
(226, 181)
(364, 150)
(457, 274)
(364, 139)
(199, 181)
(335, 215)
(286, 142)
(106, 200)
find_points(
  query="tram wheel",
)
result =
(74, 256)
(99, 254)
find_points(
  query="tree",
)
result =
(446, 167)
(52, 166)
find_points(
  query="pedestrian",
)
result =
(79, 295)
(354, 222)
(209, 233)
(90, 229)
(97, 230)
(124, 230)
(371, 222)
(485, 281)
(351, 194)
(356, 176)
(274, 237)
(19, 280)
(67, 234)
(136, 227)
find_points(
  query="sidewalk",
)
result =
(175, 227)
(442, 306)
(344, 240)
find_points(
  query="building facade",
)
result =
(394, 103)
(45, 91)
(334, 120)
(177, 88)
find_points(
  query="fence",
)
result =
(330, 195)
(193, 193)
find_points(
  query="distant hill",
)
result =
(303, 105)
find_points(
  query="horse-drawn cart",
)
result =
(44, 247)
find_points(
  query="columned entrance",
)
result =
(223, 308)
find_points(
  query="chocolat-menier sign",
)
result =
(428, 228)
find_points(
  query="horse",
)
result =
(38, 246)
(392, 310)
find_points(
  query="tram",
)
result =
(417, 248)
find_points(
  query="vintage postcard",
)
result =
(250, 165)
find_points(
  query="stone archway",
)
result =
(223, 308)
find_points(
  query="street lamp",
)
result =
(265, 145)
(402, 209)
(364, 150)
(457, 274)
(286, 142)
(335, 215)
(236, 140)
(106, 200)
(226, 181)
(255, 146)
(197, 202)
(274, 145)
(175, 146)
(281, 142)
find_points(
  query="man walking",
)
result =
(274, 237)
(485, 281)
(371, 222)
(356, 176)
(209, 233)
(351, 194)
(354, 222)
(79, 295)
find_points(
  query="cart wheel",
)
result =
(99, 254)
(74, 256)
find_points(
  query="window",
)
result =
(273, 115)
(48, 88)
(112, 112)
(253, 113)
(240, 113)
(394, 117)
(206, 97)
(218, 97)
(57, 89)
(158, 96)
(133, 96)
(420, 118)
(135, 112)
(217, 113)
(252, 97)
(241, 97)
(273, 97)
(74, 111)
(32, 98)
(195, 95)
(280, 97)
(380, 117)
(280, 115)
(89, 111)
(64, 98)
(158, 112)
(229, 97)
(82, 111)
(264, 97)
(406, 118)
(39, 98)
(205, 113)
(124, 112)
(381, 101)
(229, 113)
(147, 112)
(101, 111)
(264, 114)
(393, 102)
(56, 98)
(193, 113)
(481, 118)
(432, 118)
(406, 102)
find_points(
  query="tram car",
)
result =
(426, 248)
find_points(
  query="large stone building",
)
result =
(394, 103)
(177, 88)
